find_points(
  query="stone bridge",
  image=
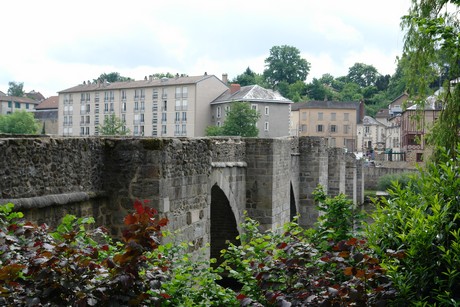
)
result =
(202, 185)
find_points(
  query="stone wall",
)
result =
(102, 177)
(372, 175)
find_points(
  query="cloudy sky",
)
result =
(54, 45)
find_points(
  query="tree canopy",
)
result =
(240, 120)
(285, 64)
(113, 126)
(432, 57)
(19, 122)
(362, 74)
(16, 89)
(112, 77)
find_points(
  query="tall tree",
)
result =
(241, 120)
(19, 122)
(285, 64)
(112, 77)
(113, 126)
(362, 74)
(432, 49)
(249, 77)
(16, 89)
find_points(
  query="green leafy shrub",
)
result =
(78, 267)
(285, 268)
(388, 181)
(420, 226)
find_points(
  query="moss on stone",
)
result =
(152, 144)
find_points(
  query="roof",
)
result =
(18, 99)
(104, 86)
(35, 95)
(316, 104)
(51, 102)
(251, 93)
(383, 113)
(367, 120)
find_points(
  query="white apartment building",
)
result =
(164, 107)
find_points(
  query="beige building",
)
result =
(164, 107)
(337, 121)
(46, 113)
(10, 104)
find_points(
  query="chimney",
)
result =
(224, 78)
(234, 88)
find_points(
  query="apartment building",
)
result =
(164, 107)
(415, 123)
(335, 120)
(10, 104)
(273, 108)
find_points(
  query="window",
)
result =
(184, 129)
(137, 119)
(267, 111)
(303, 128)
(123, 118)
(346, 128)
(254, 107)
(177, 117)
(184, 116)
(184, 92)
(319, 128)
(106, 96)
(82, 97)
(136, 105)
(184, 104)
(163, 129)
(178, 92)
(136, 130)
(88, 119)
(165, 105)
(177, 130)
(123, 95)
(87, 130)
(346, 116)
(164, 93)
(419, 157)
(333, 116)
(82, 130)
(333, 128)
(367, 129)
(106, 107)
(142, 94)
(227, 109)
(142, 105)
(88, 96)
(178, 105)
(88, 108)
(142, 118)
(17, 105)
(218, 112)
(136, 94)
(266, 126)
(163, 117)
(10, 104)
(218, 124)
(320, 115)
(395, 142)
(111, 107)
(27, 106)
(155, 118)
(123, 107)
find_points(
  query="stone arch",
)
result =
(223, 222)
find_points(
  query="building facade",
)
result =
(10, 104)
(164, 107)
(47, 115)
(337, 121)
(273, 108)
(371, 135)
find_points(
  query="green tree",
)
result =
(362, 74)
(16, 89)
(241, 120)
(249, 77)
(420, 225)
(19, 122)
(113, 126)
(432, 51)
(112, 77)
(285, 64)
